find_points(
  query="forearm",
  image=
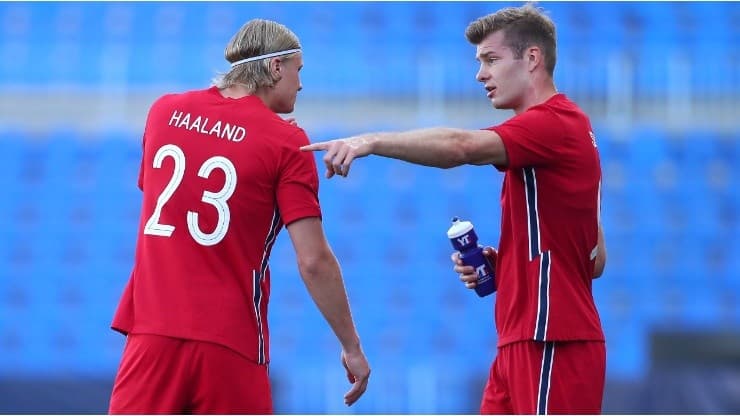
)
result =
(438, 147)
(323, 280)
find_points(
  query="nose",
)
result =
(481, 76)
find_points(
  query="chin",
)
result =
(499, 105)
(283, 110)
(287, 108)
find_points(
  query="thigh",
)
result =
(577, 381)
(523, 373)
(225, 382)
(151, 377)
(556, 377)
(496, 400)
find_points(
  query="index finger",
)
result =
(356, 391)
(315, 146)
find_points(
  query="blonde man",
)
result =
(221, 175)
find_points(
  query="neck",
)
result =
(538, 93)
(235, 91)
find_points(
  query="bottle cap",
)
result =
(459, 228)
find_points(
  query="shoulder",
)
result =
(292, 135)
(554, 115)
(175, 98)
(552, 108)
(561, 106)
(296, 135)
(537, 121)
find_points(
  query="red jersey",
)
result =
(220, 178)
(550, 202)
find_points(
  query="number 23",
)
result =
(217, 199)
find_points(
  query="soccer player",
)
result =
(551, 351)
(221, 175)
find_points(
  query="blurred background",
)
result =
(661, 82)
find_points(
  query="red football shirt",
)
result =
(220, 178)
(550, 202)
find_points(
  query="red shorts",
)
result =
(531, 377)
(170, 375)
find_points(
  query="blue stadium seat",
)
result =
(71, 211)
(627, 355)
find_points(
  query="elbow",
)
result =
(598, 271)
(599, 266)
(309, 266)
(451, 162)
(460, 152)
(313, 265)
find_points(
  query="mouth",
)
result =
(491, 91)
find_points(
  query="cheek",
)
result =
(510, 76)
(508, 72)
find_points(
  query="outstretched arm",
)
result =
(323, 278)
(438, 147)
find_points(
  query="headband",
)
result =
(265, 56)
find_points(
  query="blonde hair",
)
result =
(257, 37)
(523, 27)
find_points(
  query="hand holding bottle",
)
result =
(468, 274)
(475, 264)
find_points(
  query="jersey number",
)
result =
(217, 199)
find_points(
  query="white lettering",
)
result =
(175, 117)
(481, 270)
(196, 124)
(200, 124)
(216, 129)
(185, 121)
(228, 131)
(464, 240)
(204, 128)
(239, 134)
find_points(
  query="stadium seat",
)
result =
(70, 214)
(627, 355)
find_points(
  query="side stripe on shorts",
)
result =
(543, 393)
(257, 292)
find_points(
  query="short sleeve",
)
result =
(532, 138)
(298, 183)
(140, 182)
(151, 114)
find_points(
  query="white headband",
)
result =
(265, 56)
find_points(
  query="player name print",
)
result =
(204, 125)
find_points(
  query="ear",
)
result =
(276, 67)
(534, 57)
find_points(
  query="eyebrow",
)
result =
(487, 54)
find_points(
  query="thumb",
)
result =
(350, 376)
(491, 254)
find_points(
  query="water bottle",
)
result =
(463, 239)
